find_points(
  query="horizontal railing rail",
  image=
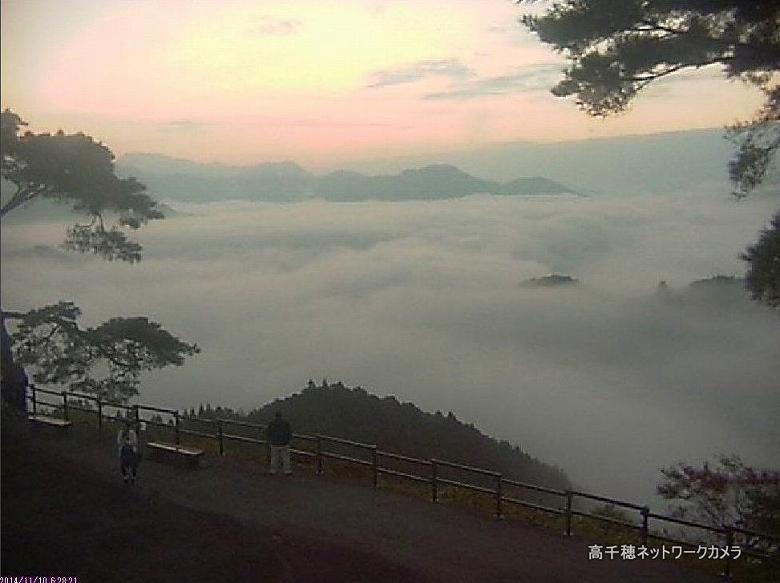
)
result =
(466, 486)
(772, 537)
(153, 422)
(404, 458)
(344, 458)
(48, 391)
(73, 406)
(157, 409)
(608, 500)
(346, 441)
(465, 468)
(244, 439)
(683, 522)
(534, 487)
(609, 519)
(567, 497)
(533, 505)
(242, 423)
(84, 396)
(392, 472)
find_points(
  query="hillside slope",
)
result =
(355, 414)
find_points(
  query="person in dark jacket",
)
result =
(279, 436)
(127, 447)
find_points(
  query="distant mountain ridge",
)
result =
(656, 163)
(287, 181)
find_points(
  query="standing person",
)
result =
(127, 446)
(280, 435)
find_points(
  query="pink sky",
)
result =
(315, 81)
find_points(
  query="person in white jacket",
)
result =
(127, 447)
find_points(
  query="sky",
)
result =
(319, 82)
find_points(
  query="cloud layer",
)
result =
(524, 79)
(450, 68)
(423, 300)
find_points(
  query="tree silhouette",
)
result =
(763, 276)
(727, 493)
(77, 171)
(615, 48)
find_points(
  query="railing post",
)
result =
(267, 446)
(645, 526)
(34, 401)
(100, 414)
(498, 496)
(137, 416)
(434, 490)
(569, 497)
(729, 544)
(65, 405)
(319, 455)
(220, 436)
(375, 466)
(176, 427)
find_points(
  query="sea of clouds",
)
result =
(423, 300)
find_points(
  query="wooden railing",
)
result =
(431, 467)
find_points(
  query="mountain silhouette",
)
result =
(287, 182)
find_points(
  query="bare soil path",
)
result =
(65, 511)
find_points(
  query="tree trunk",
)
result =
(14, 383)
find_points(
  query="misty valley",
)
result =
(538, 319)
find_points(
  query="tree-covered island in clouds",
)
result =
(717, 289)
(551, 280)
(287, 182)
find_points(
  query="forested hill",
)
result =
(355, 414)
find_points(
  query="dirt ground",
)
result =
(66, 512)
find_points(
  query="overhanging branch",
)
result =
(12, 315)
(20, 197)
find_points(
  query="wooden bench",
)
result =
(50, 421)
(191, 455)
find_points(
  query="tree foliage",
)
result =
(109, 358)
(717, 494)
(105, 360)
(76, 170)
(763, 275)
(728, 493)
(616, 48)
